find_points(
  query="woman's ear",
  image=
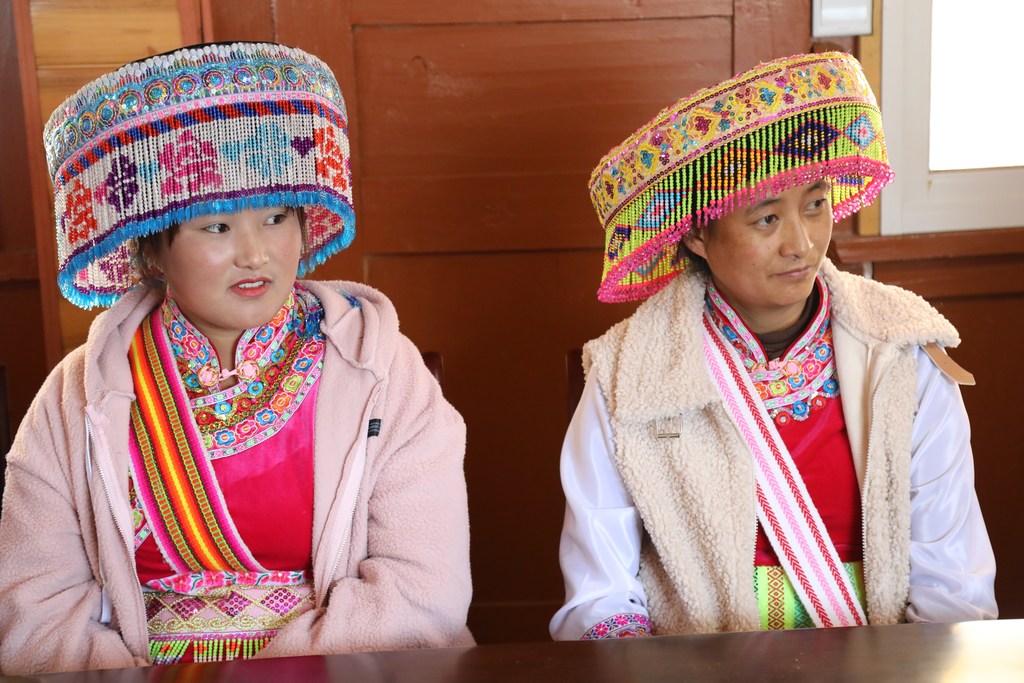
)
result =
(694, 241)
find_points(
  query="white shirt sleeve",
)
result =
(952, 568)
(600, 546)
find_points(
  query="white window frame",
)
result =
(921, 200)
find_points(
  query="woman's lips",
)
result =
(250, 288)
(796, 273)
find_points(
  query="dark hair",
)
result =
(149, 245)
(683, 251)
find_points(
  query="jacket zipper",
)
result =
(105, 607)
(355, 500)
(344, 542)
(753, 559)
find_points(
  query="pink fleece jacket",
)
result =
(390, 520)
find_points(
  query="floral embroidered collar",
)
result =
(803, 377)
(276, 364)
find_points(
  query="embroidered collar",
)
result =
(803, 377)
(277, 364)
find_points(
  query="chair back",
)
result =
(435, 363)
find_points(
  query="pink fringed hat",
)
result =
(779, 125)
(207, 129)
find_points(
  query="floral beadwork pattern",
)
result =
(620, 626)
(189, 584)
(190, 164)
(287, 357)
(799, 382)
(332, 161)
(268, 150)
(140, 527)
(79, 219)
(122, 183)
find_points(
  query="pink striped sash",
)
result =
(785, 509)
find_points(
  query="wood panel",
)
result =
(18, 265)
(965, 277)
(768, 29)
(227, 20)
(513, 174)
(103, 31)
(525, 99)
(406, 12)
(860, 248)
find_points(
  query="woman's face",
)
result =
(764, 257)
(230, 272)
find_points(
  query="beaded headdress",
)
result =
(206, 129)
(779, 125)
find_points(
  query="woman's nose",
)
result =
(252, 252)
(797, 238)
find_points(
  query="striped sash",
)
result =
(173, 476)
(785, 509)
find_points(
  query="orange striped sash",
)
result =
(173, 476)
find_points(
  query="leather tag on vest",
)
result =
(947, 365)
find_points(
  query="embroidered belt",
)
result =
(220, 624)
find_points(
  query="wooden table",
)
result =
(977, 651)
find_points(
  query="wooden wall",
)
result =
(476, 126)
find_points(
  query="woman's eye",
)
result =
(277, 218)
(216, 227)
(765, 221)
(819, 203)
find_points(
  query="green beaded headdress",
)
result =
(206, 129)
(779, 125)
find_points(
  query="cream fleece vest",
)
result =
(691, 477)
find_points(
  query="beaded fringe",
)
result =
(207, 649)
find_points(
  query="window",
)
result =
(952, 111)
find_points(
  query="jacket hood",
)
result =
(359, 321)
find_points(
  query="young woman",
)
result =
(235, 463)
(767, 442)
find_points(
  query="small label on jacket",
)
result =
(374, 428)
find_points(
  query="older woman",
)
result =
(767, 442)
(235, 463)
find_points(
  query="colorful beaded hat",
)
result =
(779, 125)
(206, 129)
